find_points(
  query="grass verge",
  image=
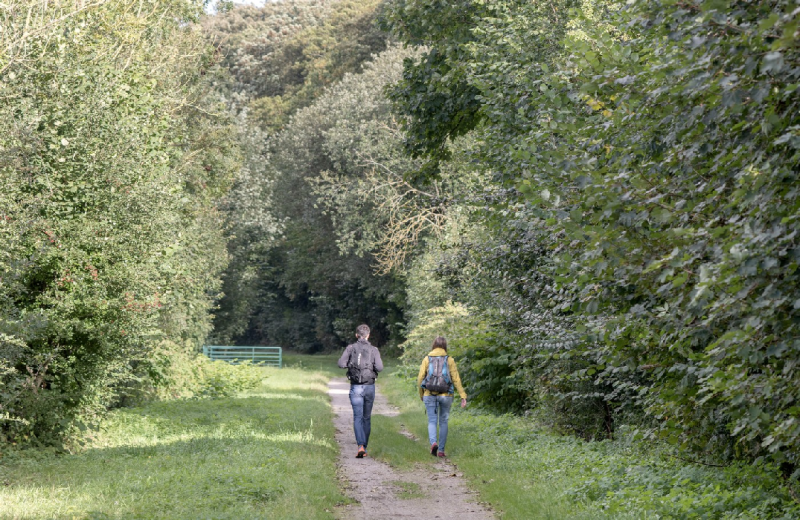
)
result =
(525, 472)
(390, 439)
(266, 453)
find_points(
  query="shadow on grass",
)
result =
(265, 455)
(244, 477)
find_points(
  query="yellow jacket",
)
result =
(451, 367)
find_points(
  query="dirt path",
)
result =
(437, 492)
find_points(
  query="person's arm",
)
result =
(451, 364)
(378, 362)
(423, 371)
(345, 357)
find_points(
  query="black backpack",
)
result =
(438, 379)
(360, 366)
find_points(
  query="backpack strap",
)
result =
(430, 373)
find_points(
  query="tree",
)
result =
(648, 158)
(111, 159)
(288, 282)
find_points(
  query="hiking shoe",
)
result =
(434, 449)
(441, 454)
(361, 452)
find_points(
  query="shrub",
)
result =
(111, 159)
(647, 153)
(222, 379)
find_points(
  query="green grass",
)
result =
(527, 472)
(323, 363)
(386, 442)
(408, 490)
(510, 492)
(267, 453)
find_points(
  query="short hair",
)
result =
(362, 331)
(440, 342)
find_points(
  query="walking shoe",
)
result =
(441, 454)
(434, 449)
(361, 452)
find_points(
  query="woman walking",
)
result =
(438, 375)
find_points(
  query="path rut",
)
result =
(373, 484)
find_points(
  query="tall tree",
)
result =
(650, 164)
(288, 282)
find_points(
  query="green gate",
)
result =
(266, 356)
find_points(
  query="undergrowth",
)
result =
(525, 471)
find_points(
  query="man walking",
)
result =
(363, 362)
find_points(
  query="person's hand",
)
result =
(463, 403)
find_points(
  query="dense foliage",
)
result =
(595, 201)
(647, 240)
(112, 153)
(288, 283)
(567, 198)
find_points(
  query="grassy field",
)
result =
(270, 453)
(267, 453)
(528, 473)
(323, 364)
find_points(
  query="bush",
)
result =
(111, 161)
(222, 379)
(646, 155)
(178, 371)
(625, 478)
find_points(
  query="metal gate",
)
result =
(266, 356)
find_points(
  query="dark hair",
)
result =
(440, 342)
(362, 331)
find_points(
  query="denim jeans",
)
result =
(362, 398)
(443, 403)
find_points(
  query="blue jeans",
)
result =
(443, 403)
(362, 397)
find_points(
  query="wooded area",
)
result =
(595, 201)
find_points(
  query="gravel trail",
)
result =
(378, 488)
